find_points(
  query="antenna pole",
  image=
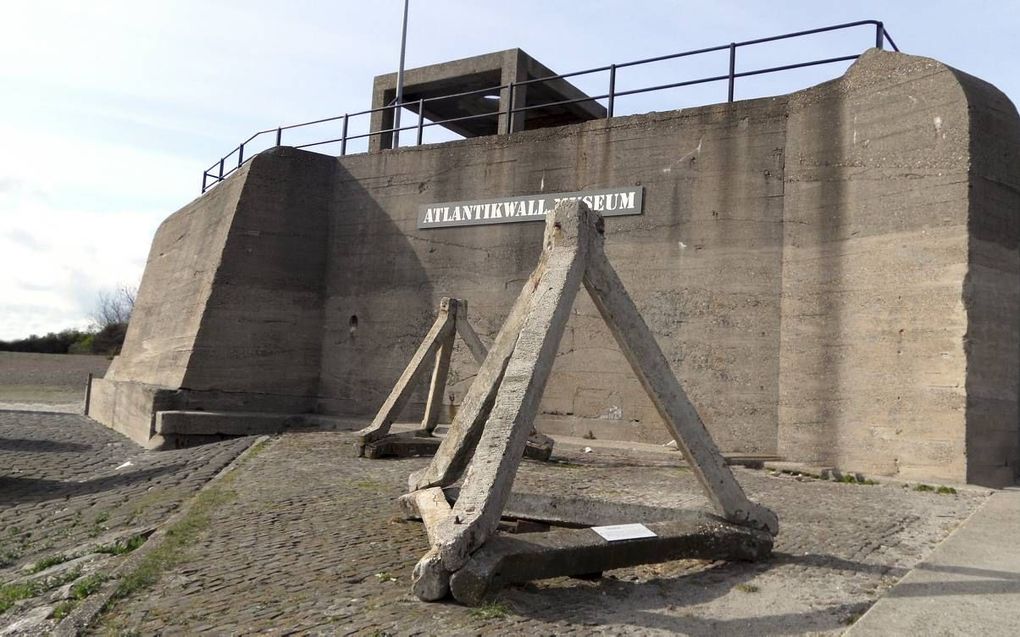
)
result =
(400, 81)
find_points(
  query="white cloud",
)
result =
(112, 108)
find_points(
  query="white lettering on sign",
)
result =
(608, 203)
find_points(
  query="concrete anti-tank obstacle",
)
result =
(488, 439)
(376, 441)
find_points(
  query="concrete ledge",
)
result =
(226, 423)
(177, 429)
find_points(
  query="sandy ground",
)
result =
(46, 382)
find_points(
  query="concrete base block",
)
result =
(572, 511)
(408, 444)
(402, 445)
(205, 423)
(506, 559)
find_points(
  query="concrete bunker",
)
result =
(833, 274)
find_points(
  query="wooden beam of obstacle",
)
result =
(438, 336)
(685, 425)
(455, 451)
(498, 412)
(376, 441)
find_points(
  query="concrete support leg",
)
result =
(456, 449)
(438, 384)
(505, 399)
(468, 335)
(501, 446)
(395, 402)
(653, 371)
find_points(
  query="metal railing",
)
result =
(236, 157)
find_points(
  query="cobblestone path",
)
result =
(67, 483)
(311, 544)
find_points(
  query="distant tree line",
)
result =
(105, 336)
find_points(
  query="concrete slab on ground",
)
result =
(970, 584)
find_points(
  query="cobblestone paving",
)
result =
(67, 482)
(311, 544)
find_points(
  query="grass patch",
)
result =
(851, 479)
(385, 577)
(492, 610)
(941, 489)
(747, 588)
(368, 485)
(59, 580)
(178, 539)
(63, 609)
(87, 586)
(47, 562)
(10, 593)
(850, 620)
(8, 556)
(256, 449)
(122, 547)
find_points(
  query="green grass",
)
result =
(47, 562)
(179, 538)
(941, 489)
(850, 479)
(63, 609)
(87, 586)
(10, 593)
(492, 610)
(122, 547)
(747, 588)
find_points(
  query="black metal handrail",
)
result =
(220, 170)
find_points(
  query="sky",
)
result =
(110, 110)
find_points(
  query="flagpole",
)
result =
(400, 81)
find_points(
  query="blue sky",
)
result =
(111, 109)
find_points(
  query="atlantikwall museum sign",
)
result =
(609, 202)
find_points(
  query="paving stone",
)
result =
(66, 482)
(314, 544)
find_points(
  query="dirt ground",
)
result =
(55, 382)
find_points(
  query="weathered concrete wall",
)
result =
(992, 286)
(229, 311)
(875, 218)
(832, 274)
(702, 262)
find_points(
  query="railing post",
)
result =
(879, 35)
(221, 168)
(421, 118)
(205, 175)
(279, 135)
(510, 108)
(612, 89)
(240, 155)
(343, 137)
(733, 69)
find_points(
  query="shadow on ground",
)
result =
(18, 490)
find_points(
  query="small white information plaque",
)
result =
(617, 532)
